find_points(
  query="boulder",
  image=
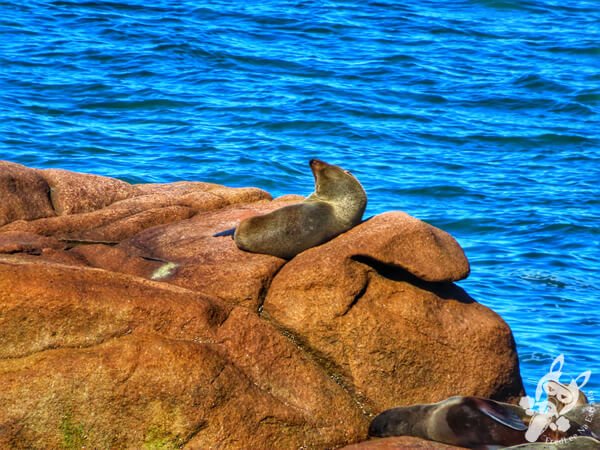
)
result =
(73, 193)
(100, 359)
(24, 192)
(126, 323)
(376, 305)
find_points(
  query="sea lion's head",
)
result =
(339, 187)
(401, 421)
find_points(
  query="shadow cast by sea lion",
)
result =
(445, 290)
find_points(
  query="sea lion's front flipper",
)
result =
(505, 415)
(229, 232)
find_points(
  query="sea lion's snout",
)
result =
(378, 427)
(389, 423)
(317, 164)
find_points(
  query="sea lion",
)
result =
(462, 421)
(466, 422)
(337, 205)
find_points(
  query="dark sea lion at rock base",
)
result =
(471, 422)
(462, 421)
(337, 205)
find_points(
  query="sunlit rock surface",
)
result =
(124, 322)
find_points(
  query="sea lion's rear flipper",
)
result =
(500, 413)
(229, 232)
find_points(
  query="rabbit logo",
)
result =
(561, 399)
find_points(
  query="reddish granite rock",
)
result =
(400, 443)
(399, 240)
(131, 362)
(128, 217)
(194, 195)
(358, 304)
(24, 192)
(97, 354)
(23, 242)
(73, 193)
(115, 259)
(209, 264)
(110, 224)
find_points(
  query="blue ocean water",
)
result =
(481, 117)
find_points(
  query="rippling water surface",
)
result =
(481, 117)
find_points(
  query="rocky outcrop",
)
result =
(378, 307)
(114, 361)
(125, 323)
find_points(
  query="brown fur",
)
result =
(337, 205)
